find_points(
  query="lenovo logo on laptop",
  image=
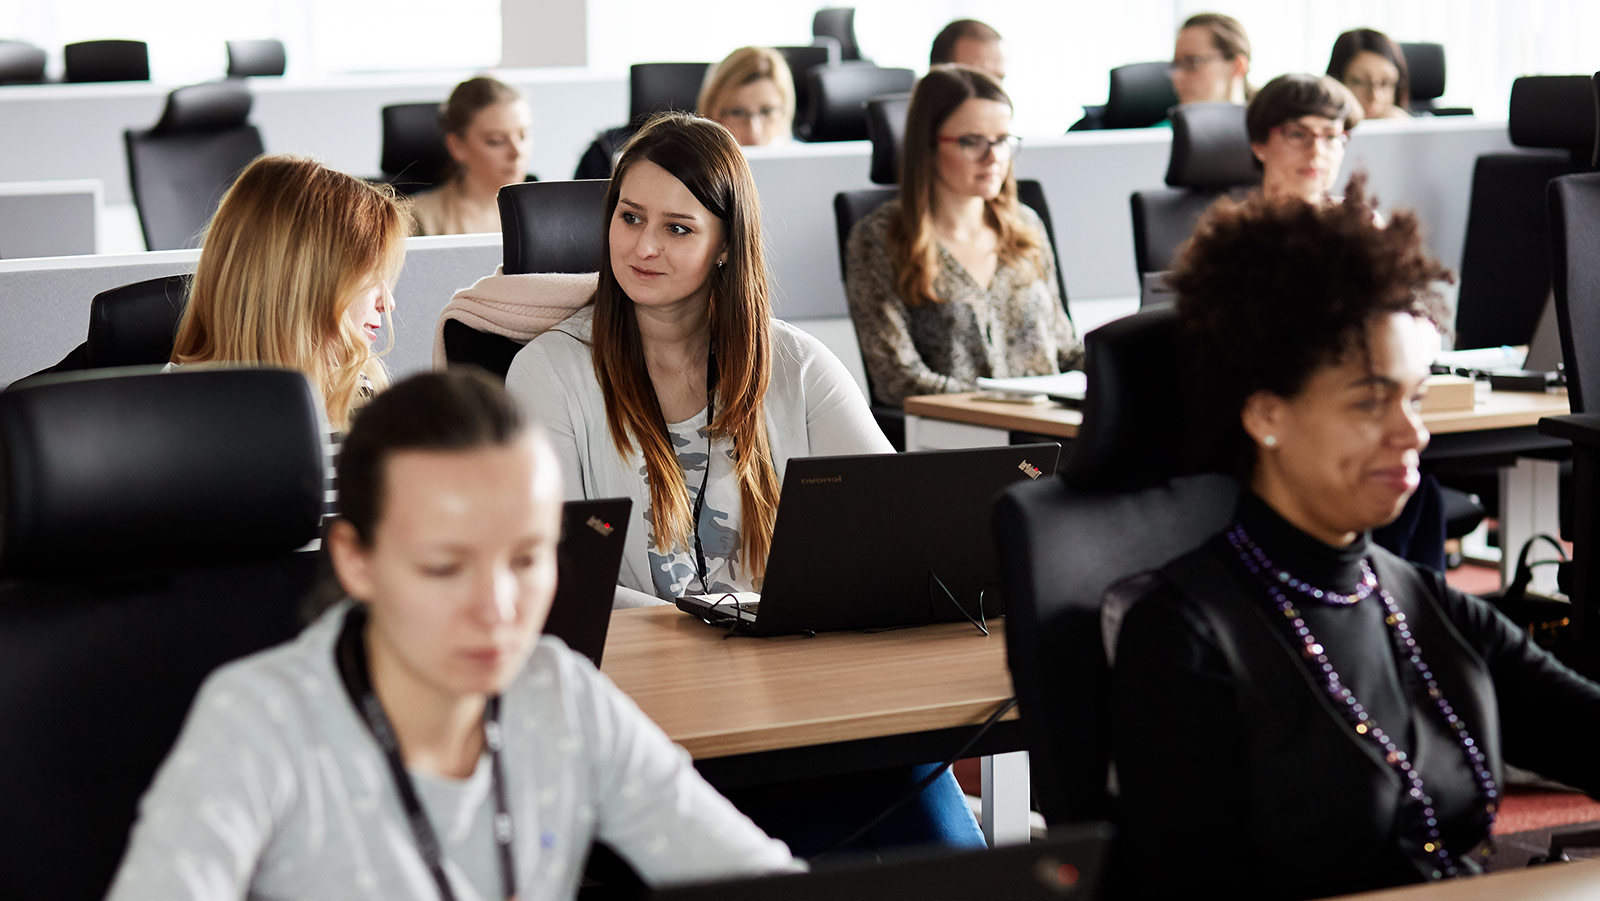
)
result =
(1028, 468)
(599, 525)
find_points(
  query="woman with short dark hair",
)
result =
(1295, 711)
(1299, 126)
(1374, 68)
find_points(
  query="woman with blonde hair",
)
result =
(1211, 60)
(751, 93)
(955, 280)
(296, 271)
(676, 388)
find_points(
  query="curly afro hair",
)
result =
(1269, 291)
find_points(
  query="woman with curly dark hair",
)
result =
(1297, 712)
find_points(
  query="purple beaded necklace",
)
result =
(1427, 820)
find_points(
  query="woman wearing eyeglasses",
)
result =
(1373, 67)
(955, 279)
(751, 93)
(1299, 126)
(1211, 60)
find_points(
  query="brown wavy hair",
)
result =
(1269, 291)
(912, 245)
(290, 247)
(705, 157)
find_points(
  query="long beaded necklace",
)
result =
(1276, 580)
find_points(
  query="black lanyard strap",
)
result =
(705, 478)
(351, 656)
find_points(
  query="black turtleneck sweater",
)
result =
(1181, 737)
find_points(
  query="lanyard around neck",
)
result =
(351, 656)
(705, 477)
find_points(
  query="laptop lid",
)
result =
(881, 540)
(1069, 865)
(1544, 348)
(588, 559)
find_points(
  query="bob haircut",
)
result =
(705, 157)
(1368, 40)
(911, 240)
(1289, 97)
(467, 100)
(433, 411)
(744, 66)
(290, 248)
(1269, 291)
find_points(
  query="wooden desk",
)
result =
(1557, 882)
(752, 710)
(1503, 424)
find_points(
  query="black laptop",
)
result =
(1069, 865)
(588, 557)
(881, 540)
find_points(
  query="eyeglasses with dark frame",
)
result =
(1192, 63)
(1300, 137)
(976, 147)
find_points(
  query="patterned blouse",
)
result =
(1015, 327)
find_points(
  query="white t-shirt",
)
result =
(275, 789)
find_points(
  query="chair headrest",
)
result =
(839, 95)
(156, 470)
(261, 57)
(1553, 111)
(413, 144)
(552, 226)
(886, 128)
(839, 23)
(205, 107)
(1140, 95)
(134, 325)
(1210, 148)
(659, 87)
(21, 62)
(1425, 69)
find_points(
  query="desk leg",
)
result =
(924, 433)
(1006, 799)
(1530, 499)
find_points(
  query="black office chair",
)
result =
(180, 168)
(838, 23)
(549, 226)
(107, 61)
(1575, 232)
(601, 153)
(1140, 95)
(886, 129)
(414, 157)
(256, 58)
(1425, 66)
(151, 527)
(839, 96)
(21, 63)
(659, 87)
(132, 325)
(1210, 157)
(1125, 503)
(801, 60)
(1505, 259)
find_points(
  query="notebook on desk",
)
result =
(588, 559)
(1068, 866)
(881, 540)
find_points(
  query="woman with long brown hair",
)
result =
(955, 279)
(676, 387)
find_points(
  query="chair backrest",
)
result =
(839, 95)
(151, 522)
(1575, 231)
(256, 58)
(1210, 156)
(553, 226)
(1505, 257)
(659, 87)
(414, 157)
(134, 325)
(21, 62)
(839, 23)
(1124, 503)
(180, 168)
(886, 129)
(1425, 69)
(1139, 96)
(107, 61)
(801, 60)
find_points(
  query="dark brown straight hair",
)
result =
(705, 157)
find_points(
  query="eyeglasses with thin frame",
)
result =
(1380, 84)
(1300, 137)
(1192, 63)
(976, 147)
